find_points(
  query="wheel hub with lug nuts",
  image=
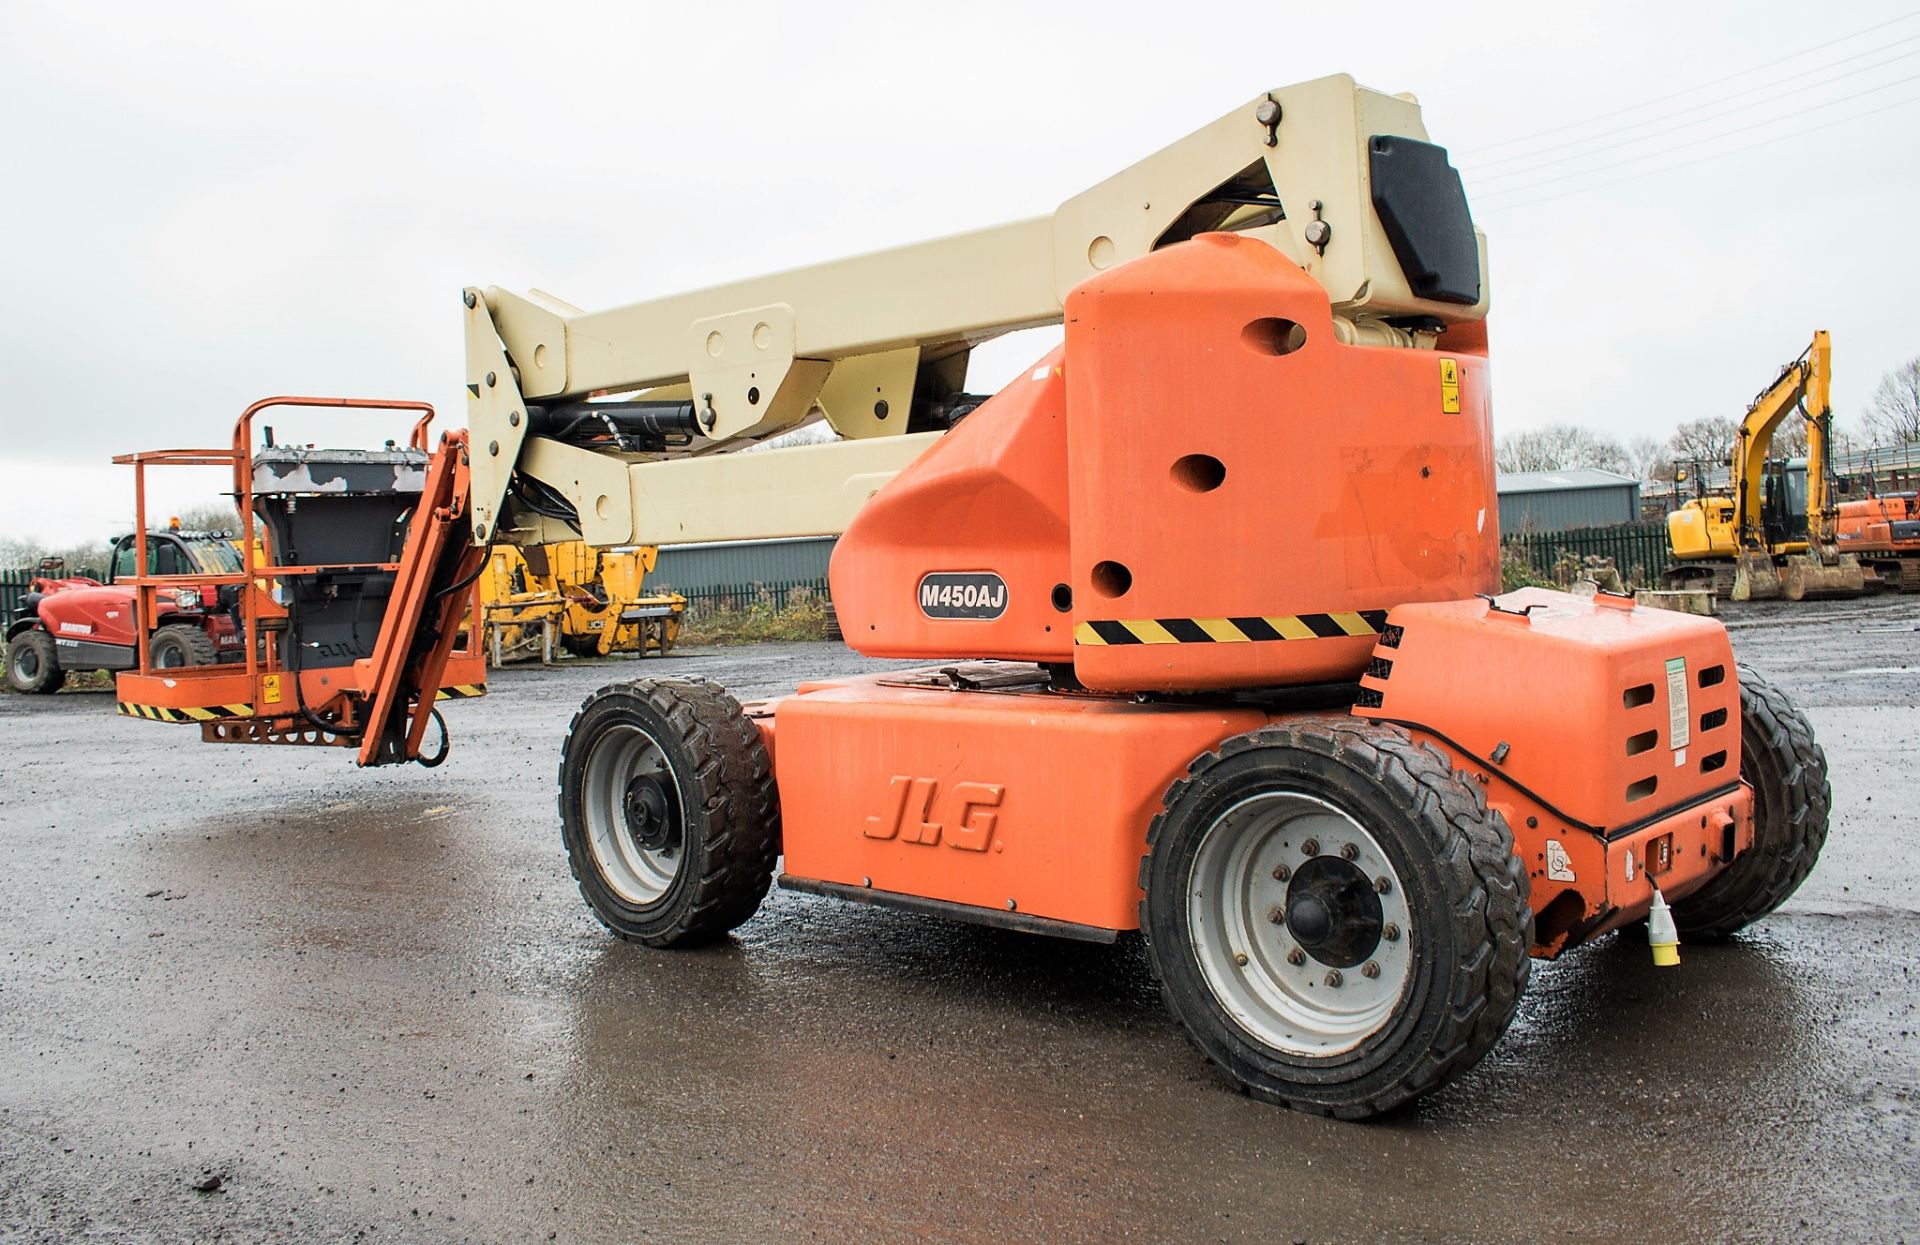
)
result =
(1277, 936)
(631, 807)
(649, 813)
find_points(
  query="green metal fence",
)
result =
(747, 596)
(13, 586)
(1638, 550)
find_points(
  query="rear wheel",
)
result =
(668, 810)
(180, 644)
(1335, 916)
(1788, 773)
(33, 663)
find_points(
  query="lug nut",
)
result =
(1383, 884)
(1334, 978)
(1281, 873)
(1296, 957)
(1391, 933)
(1310, 848)
(1275, 915)
(1370, 970)
(1240, 958)
(1350, 851)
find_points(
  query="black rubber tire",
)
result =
(187, 643)
(1456, 859)
(730, 809)
(1787, 770)
(33, 663)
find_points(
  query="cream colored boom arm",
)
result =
(850, 341)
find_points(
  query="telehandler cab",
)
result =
(1209, 596)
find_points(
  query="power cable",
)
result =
(1661, 99)
(1811, 86)
(1708, 138)
(1499, 208)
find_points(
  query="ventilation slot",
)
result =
(1369, 699)
(1713, 719)
(1642, 789)
(1634, 697)
(1713, 761)
(1380, 668)
(1713, 676)
(1390, 636)
(1643, 742)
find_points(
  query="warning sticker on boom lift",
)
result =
(1679, 723)
(1449, 386)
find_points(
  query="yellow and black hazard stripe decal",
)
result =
(1231, 630)
(196, 713)
(461, 691)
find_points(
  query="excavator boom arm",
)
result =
(1802, 385)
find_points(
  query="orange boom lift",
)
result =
(1209, 598)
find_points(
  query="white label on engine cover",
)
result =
(1679, 722)
(1559, 864)
(74, 628)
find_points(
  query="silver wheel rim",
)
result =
(1238, 912)
(638, 874)
(168, 658)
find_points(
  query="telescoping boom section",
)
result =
(357, 574)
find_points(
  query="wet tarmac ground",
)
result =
(255, 994)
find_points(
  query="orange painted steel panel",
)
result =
(1582, 693)
(1239, 462)
(994, 493)
(983, 798)
(1345, 484)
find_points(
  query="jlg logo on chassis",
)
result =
(971, 808)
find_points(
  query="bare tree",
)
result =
(213, 517)
(1649, 459)
(1707, 441)
(1559, 447)
(1790, 438)
(1893, 417)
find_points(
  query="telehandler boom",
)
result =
(1210, 599)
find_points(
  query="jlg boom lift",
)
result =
(1209, 594)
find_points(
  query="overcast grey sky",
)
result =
(202, 204)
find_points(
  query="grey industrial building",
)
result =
(1553, 501)
(1530, 501)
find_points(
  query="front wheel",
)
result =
(33, 663)
(1788, 773)
(177, 645)
(668, 810)
(1335, 916)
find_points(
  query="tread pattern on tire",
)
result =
(1794, 810)
(51, 677)
(738, 808)
(193, 639)
(1471, 841)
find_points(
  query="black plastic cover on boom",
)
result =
(1423, 208)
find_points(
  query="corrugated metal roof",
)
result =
(1559, 481)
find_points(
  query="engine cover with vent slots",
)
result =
(1608, 713)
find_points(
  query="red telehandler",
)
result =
(72, 623)
(1210, 597)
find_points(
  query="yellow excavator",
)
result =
(569, 594)
(1774, 536)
